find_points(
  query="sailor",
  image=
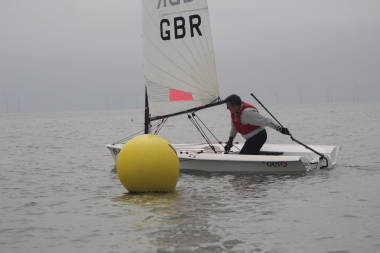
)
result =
(246, 120)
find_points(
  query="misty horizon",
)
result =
(85, 56)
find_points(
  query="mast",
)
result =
(147, 118)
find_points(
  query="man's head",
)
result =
(233, 103)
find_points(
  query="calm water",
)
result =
(59, 191)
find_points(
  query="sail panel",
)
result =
(178, 55)
(177, 95)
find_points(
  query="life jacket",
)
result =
(240, 128)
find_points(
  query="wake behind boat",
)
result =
(180, 78)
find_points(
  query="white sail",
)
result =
(179, 63)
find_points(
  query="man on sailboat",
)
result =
(246, 120)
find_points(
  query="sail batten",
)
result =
(179, 64)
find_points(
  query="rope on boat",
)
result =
(193, 119)
(157, 127)
(160, 125)
(206, 127)
(194, 115)
(198, 127)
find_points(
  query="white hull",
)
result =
(287, 158)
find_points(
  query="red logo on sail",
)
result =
(177, 95)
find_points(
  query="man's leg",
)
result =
(253, 145)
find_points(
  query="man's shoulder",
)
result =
(249, 110)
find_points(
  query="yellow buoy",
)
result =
(148, 163)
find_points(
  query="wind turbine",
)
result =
(18, 101)
(300, 91)
(331, 94)
(121, 102)
(276, 95)
(6, 103)
(6, 100)
(356, 92)
(137, 100)
(328, 94)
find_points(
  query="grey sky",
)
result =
(63, 55)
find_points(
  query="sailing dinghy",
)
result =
(180, 78)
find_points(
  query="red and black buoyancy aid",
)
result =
(240, 128)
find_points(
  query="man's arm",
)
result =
(250, 116)
(233, 131)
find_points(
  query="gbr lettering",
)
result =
(178, 28)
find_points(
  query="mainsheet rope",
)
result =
(193, 119)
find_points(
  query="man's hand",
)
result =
(284, 130)
(228, 145)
